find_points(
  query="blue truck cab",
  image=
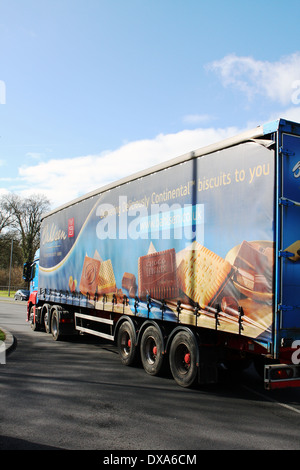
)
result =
(31, 274)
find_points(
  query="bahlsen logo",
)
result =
(52, 234)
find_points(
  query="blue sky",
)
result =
(94, 90)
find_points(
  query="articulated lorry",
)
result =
(194, 263)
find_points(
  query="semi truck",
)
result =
(193, 264)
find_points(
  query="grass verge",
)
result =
(4, 293)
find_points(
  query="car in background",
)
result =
(22, 294)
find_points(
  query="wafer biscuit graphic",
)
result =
(202, 274)
(106, 278)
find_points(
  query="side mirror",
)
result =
(27, 272)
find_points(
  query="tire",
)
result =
(183, 359)
(33, 323)
(55, 325)
(46, 324)
(46, 318)
(152, 351)
(126, 341)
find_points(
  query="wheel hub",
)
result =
(187, 358)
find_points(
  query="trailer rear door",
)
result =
(289, 238)
(286, 373)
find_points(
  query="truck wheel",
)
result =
(32, 319)
(55, 325)
(182, 357)
(127, 344)
(152, 350)
(46, 318)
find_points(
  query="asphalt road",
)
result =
(77, 395)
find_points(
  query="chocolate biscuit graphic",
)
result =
(89, 276)
(251, 258)
(157, 276)
(129, 283)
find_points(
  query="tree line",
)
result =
(20, 221)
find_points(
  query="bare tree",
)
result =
(26, 218)
(5, 215)
(5, 249)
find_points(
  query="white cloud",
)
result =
(275, 80)
(3, 192)
(291, 114)
(196, 118)
(62, 180)
(34, 155)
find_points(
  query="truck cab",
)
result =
(30, 274)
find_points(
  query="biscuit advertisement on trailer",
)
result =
(193, 243)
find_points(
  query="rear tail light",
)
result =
(282, 373)
(281, 376)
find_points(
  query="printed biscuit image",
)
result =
(254, 267)
(261, 284)
(251, 258)
(245, 279)
(129, 283)
(202, 274)
(157, 275)
(106, 278)
(89, 276)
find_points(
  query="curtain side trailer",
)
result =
(194, 262)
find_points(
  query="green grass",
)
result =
(4, 293)
(2, 336)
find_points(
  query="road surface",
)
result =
(77, 395)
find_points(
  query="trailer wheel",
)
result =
(55, 325)
(152, 350)
(126, 341)
(182, 357)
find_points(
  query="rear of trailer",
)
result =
(195, 261)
